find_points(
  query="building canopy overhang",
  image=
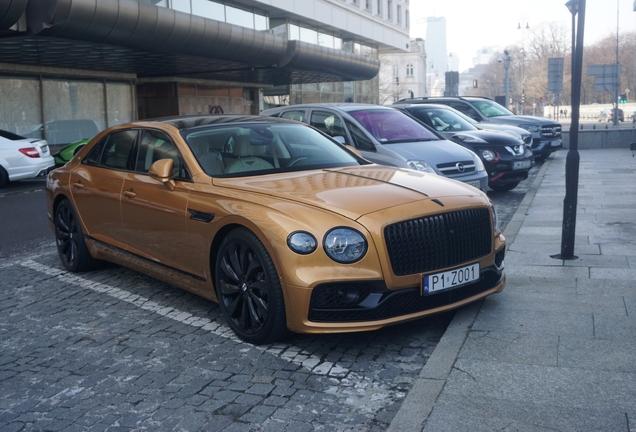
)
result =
(131, 37)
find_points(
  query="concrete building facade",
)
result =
(403, 75)
(112, 61)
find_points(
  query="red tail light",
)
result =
(31, 152)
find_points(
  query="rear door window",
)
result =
(118, 149)
(466, 109)
(298, 115)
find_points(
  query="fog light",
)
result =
(347, 295)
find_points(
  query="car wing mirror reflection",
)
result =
(161, 171)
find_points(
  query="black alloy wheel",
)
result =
(69, 239)
(248, 289)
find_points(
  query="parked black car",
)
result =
(546, 133)
(506, 158)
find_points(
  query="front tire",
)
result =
(505, 187)
(69, 238)
(248, 289)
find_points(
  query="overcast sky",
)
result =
(471, 25)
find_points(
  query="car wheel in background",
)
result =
(4, 178)
(70, 242)
(248, 289)
(505, 187)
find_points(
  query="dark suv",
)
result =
(546, 134)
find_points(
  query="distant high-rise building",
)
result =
(437, 57)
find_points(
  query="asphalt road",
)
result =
(114, 349)
(24, 225)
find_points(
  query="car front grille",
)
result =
(373, 306)
(551, 131)
(439, 241)
(457, 168)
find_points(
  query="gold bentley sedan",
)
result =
(287, 229)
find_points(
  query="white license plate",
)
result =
(474, 184)
(556, 143)
(450, 279)
(521, 165)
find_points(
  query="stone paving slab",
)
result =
(556, 350)
(487, 414)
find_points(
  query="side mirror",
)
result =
(161, 171)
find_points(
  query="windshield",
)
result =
(441, 119)
(491, 109)
(232, 150)
(391, 126)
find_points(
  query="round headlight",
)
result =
(345, 245)
(489, 155)
(302, 242)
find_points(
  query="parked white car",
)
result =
(23, 158)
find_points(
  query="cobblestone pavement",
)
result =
(116, 350)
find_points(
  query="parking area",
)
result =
(114, 349)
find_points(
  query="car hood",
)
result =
(521, 119)
(491, 138)
(351, 192)
(434, 152)
(502, 127)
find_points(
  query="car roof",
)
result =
(426, 106)
(344, 106)
(425, 99)
(187, 122)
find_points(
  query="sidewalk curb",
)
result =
(420, 401)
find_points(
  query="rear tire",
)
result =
(4, 178)
(248, 289)
(69, 238)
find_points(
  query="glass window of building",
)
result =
(182, 6)
(409, 70)
(208, 9)
(20, 111)
(326, 40)
(260, 22)
(407, 19)
(294, 32)
(368, 4)
(396, 72)
(73, 110)
(398, 15)
(239, 17)
(163, 3)
(389, 9)
(308, 35)
(379, 7)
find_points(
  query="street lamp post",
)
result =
(523, 63)
(506, 61)
(576, 7)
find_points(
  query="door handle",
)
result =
(130, 193)
(78, 185)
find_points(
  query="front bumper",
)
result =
(542, 146)
(510, 169)
(375, 306)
